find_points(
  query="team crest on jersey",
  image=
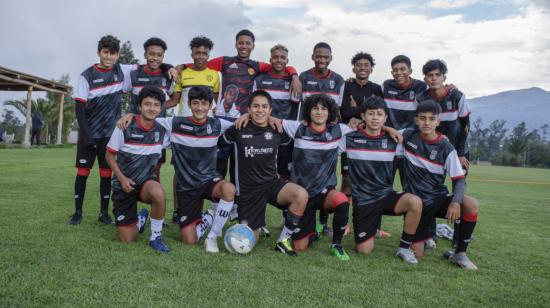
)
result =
(163, 82)
(331, 84)
(268, 135)
(209, 78)
(449, 105)
(433, 154)
(384, 143)
(328, 136)
(251, 71)
(208, 129)
(411, 95)
(287, 85)
(157, 137)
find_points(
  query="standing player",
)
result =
(321, 80)
(316, 148)
(257, 180)
(428, 157)
(98, 97)
(137, 149)
(276, 82)
(371, 153)
(455, 115)
(150, 74)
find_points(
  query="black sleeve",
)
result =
(346, 110)
(229, 136)
(165, 67)
(459, 189)
(377, 90)
(83, 124)
(285, 139)
(463, 137)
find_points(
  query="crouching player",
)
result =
(194, 149)
(138, 149)
(371, 154)
(428, 157)
(257, 180)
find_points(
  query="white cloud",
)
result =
(450, 4)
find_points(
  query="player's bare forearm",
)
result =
(394, 134)
(174, 100)
(125, 121)
(296, 86)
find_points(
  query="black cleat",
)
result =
(285, 247)
(104, 218)
(75, 219)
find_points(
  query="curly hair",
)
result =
(362, 55)
(155, 41)
(153, 92)
(323, 100)
(201, 41)
(110, 43)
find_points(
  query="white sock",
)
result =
(214, 206)
(206, 222)
(285, 233)
(220, 217)
(156, 228)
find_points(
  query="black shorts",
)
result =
(85, 156)
(437, 208)
(367, 218)
(308, 222)
(125, 205)
(284, 159)
(251, 204)
(190, 202)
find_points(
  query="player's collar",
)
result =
(103, 70)
(197, 122)
(438, 97)
(150, 72)
(138, 121)
(364, 132)
(433, 141)
(316, 74)
(408, 85)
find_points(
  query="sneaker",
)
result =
(175, 219)
(462, 260)
(75, 219)
(142, 217)
(105, 219)
(211, 245)
(264, 232)
(285, 247)
(158, 245)
(339, 252)
(406, 255)
(430, 244)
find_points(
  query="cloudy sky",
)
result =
(489, 45)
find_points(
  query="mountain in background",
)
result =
(529, 105)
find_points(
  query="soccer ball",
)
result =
(239, 239)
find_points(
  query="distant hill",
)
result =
(530, 105)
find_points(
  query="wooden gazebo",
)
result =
(11, 80)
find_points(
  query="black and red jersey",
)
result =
(141, 77)
(401, 102)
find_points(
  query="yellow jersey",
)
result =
(189, 78)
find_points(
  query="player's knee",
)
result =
(83, 171)
(470, 205)
(415, 204)
(105, 172)
(301, 245)
(339, 200)
(301, 196)
(364, 248)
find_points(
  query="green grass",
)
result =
(45, 262)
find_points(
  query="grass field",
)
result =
(46, 262)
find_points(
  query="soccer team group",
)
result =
(279, 136)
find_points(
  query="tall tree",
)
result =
(497, 132)
(517, 143)
(126, 56)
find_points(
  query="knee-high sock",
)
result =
(339, 222)
(291, 223)
(79, 191)
(105, 192)
(466, 228)
(220, 217)
(323, 217)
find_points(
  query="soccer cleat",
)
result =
(105, 219)
(285, 247)
(264, 232)
(339, 252)
(158, 245)
(142, 219)
(430, 244)
(175, 219)
(462, 260)
(406, 255)
(211, 245)
(75, 219)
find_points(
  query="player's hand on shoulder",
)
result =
(394, 134)
(354, 123)
(275, 123)
(453, 212)
(125, 121)
(173, 73)
(242, 121)
(295, 87)
(450, 87)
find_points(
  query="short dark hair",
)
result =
(153, 92)
(435, 64)
(374, 102)
(401, 59)
(322, 45)
(260, 93)
(428, 106)
(323, 100)
(362, 55)
(245, 32)
(155, 41)
(201, 41)
(110, 43)
(200, 92)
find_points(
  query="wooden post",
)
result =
(60, 121)
(28, 120)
